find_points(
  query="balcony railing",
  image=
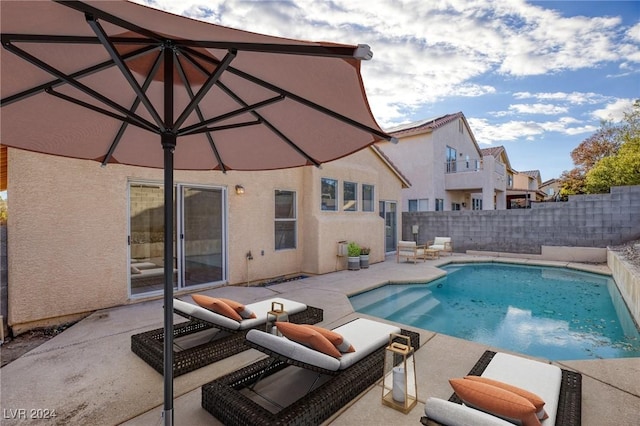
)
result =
(459, 166)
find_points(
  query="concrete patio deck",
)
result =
(89, 375)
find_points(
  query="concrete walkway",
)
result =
(89, 376)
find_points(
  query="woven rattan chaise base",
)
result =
(569, 404)
(150, 345)
(224, 399)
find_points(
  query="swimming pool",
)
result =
(549, 312)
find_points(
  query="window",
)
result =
(368, 198)
(476, 204)
(350, 196)
(420, 205)
(510, 180)
(285, 220)
(439, 204)
(451, 159)
(329, 188)
(455, 206)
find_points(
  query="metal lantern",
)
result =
(399, 388)
(277, 313)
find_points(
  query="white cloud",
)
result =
(614, 111)
(576, 98)
(545, 109)
(487, 132)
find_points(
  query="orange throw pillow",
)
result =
(216, 305)
(306, 336)
(529, 396)
(239, 308)
(335, 338)
(496, 401)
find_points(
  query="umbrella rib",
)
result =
(197, 128)
(100, 14)
(82, 73)
(361, 51)
(294, 97)
(134, 106)
(87, 90)
(261, 119)
(271, 126)
(215, 76)
(111, 49)
(187, 85)
(95, 108)
(61, 39)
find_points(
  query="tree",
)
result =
(607, 158)
(623, 167)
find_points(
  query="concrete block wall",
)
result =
(597, 220)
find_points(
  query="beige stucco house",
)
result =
(83, 237)
(446, 167)
(526, 188)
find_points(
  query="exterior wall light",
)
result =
(239, 189)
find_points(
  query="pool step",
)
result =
(417, 309)
(397, 303)
(371, 298)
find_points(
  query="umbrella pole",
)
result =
(168, 145)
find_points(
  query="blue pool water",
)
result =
(553, 313)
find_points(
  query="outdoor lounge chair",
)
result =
(441, 244)
(410, 251)
(239, 398)
(560, 389)
(209, 337)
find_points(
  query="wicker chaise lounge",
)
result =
(224, 336)
(234, 400)
(560, 389)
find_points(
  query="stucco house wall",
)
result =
(69, 225)
(422, 154)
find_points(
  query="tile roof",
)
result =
(533, 173)
(494, 151)
(427, 125)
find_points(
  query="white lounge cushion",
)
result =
(540, 378)
(365, 336)
(259, 308)
(452, 414)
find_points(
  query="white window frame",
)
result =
(293, 219)
(335, 199)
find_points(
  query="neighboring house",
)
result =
(551, 189)
(445, 165)
(525, 190)
(83, 237)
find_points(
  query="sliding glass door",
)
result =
(202, 238)
(200, 246)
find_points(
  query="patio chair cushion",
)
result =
(336, 339)
(538, 377)
(259, 308)
(307, 336)
(241, 309)
(496, 401)
(216, 305)
(452, 414)
(364, 334)
(530, 396)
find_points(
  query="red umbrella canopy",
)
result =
(87, 80)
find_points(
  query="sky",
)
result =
(536, 77)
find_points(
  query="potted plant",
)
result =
(353, 253)
(364, 257)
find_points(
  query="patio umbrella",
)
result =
(117, 82)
